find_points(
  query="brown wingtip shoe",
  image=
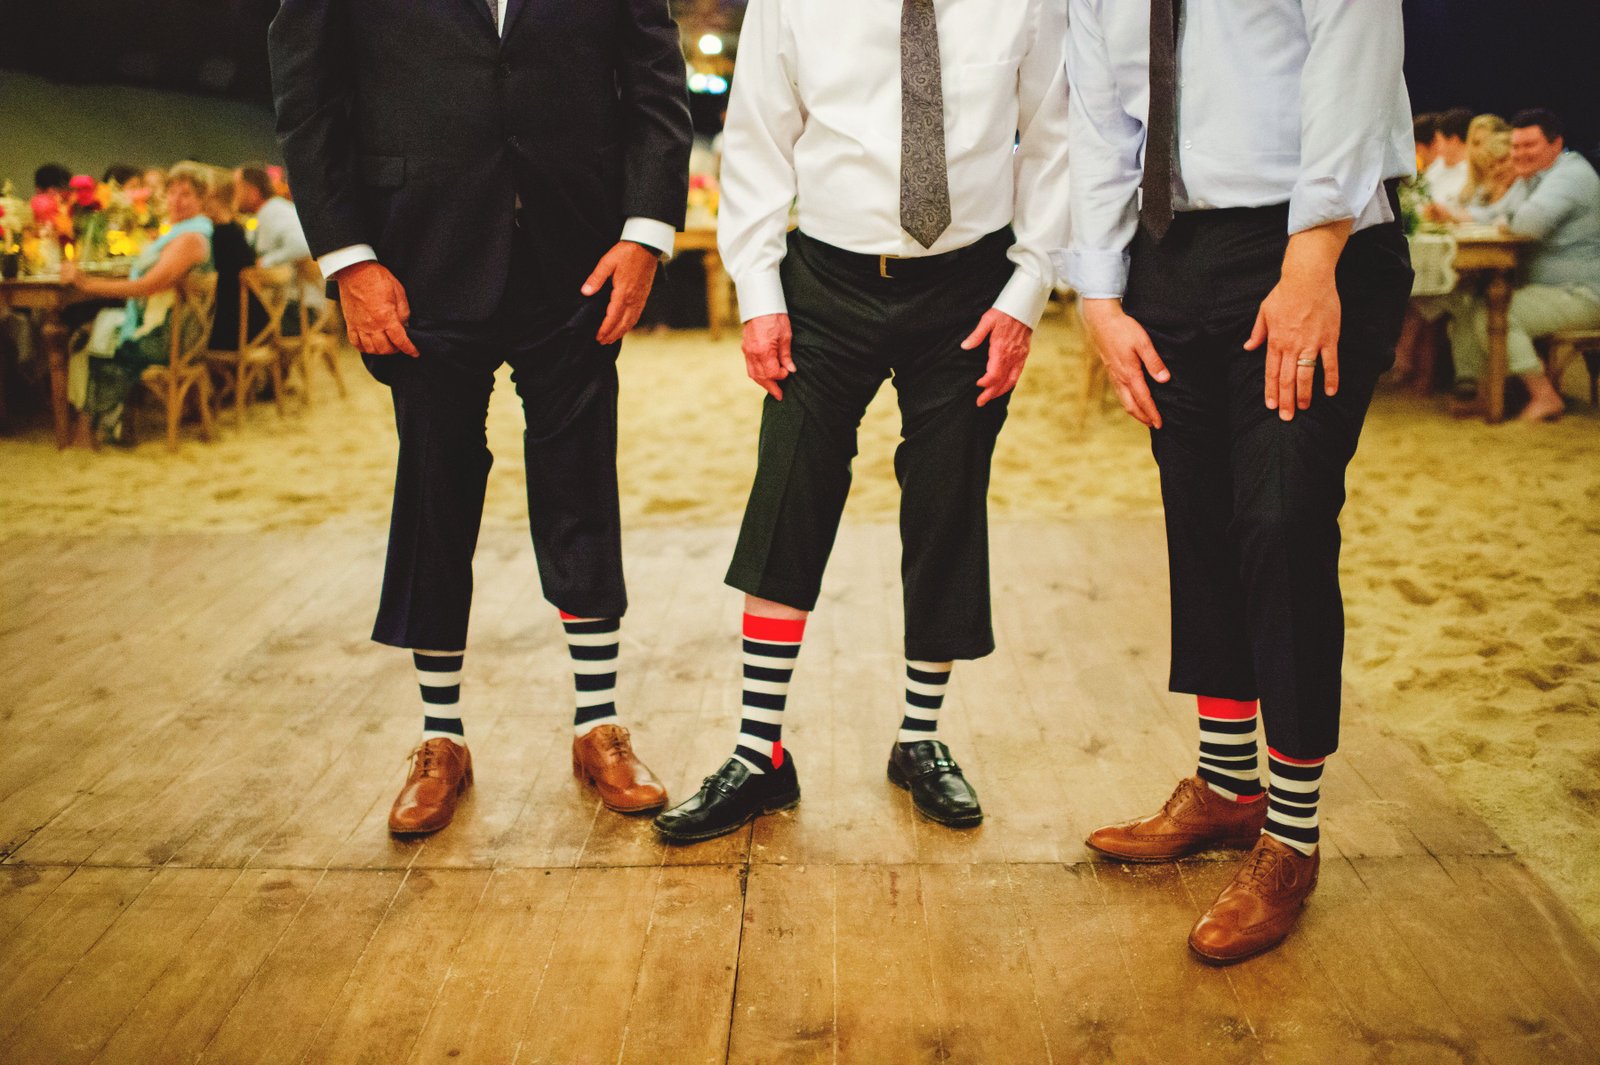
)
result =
(1195, 819)
(441, 770)
(604, 757)
(1259, 907)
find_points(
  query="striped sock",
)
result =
(771, 646)
(439, 679)
(1228, 748)
(1294, 789)
(593, 644)
(925, 684)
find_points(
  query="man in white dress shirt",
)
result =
(923, 144)
(1245, 305)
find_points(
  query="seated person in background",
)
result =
(1424, 128)
(126, 176)
(230, 253)
(1490, 173)
(279, 238)
(1448, 172)
(1556, 200)
(144, 337)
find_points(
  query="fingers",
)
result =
(978, 335)
(1330, 369)
(402, 306)
(602, 273)
(395, 336)
(1305, 379)
(1258, 332)
(1269, 371)
(1286, 384)
(785, 354)
(1152, 362)
(616, 313)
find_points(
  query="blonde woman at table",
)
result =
(1489, 172)
(142, 338)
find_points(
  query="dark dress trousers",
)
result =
(1252, 502)
(417, 128)
(854, 328)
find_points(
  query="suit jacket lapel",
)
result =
(481, 8)
(513, 9)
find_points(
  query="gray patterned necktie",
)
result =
(924, 182)
(494, 14)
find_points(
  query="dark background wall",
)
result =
(1498, 55)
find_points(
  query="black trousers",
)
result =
(852, 329)
(1252, 502)
(568, 386)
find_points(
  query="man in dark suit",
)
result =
(492, 181)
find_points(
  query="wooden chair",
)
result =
(186, 375)
(259, 355)
(1568, 345)
(321, 332)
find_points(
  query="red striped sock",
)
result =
(1228, 759)
(771, 646)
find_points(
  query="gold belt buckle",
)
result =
(883, 265)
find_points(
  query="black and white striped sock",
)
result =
(925, 685)
(593, 644)
(771, 646)
(1294, 789)
(439, 680)
(1228, 758)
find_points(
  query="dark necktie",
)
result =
(1155, 209)
(924, 182)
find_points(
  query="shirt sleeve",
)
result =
(340, 258)
(765, 119)
(1040, 216)
(1103, 180)
(1542, 209)
(1347, 107)
(659, 236)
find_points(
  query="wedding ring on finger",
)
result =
(1306, 360)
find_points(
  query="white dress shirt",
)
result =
(656, 235)
(278, 237)
(1279, 101)
(815, 119)
(1446, 182)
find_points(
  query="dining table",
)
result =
(718, 307)
(1491, 257)
(47, 296)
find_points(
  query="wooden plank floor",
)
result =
(200, 747)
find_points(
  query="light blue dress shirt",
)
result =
(1279, 101)
(1561, 207)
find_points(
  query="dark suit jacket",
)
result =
(412, 126)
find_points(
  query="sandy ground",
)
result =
(1472, 560)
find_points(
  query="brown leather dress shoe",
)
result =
(1259, 907)
(1195, 819)
(604, 757)
(441, 769)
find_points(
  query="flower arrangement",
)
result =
(704, 197)
(1414, 196)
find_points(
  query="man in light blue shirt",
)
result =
(1244, 279)
(1556, 200)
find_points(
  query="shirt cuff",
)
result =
(760, 294)
(1316, 203)
(335, 261)
(1098, 275)
(652, 234)
(1023, 298)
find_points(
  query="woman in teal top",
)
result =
(159, 268)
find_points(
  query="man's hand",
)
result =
(766, 351)
(1009, 340)
(631, 269)
(375, 309)
(1126, 350)
(1299, 320)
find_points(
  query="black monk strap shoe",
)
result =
(730, 797)
(937, 788)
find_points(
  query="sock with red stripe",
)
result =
(593, 644)
(1294, 789)
(771, 646)
(1228, 760)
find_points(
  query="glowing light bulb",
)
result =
(711, 44)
